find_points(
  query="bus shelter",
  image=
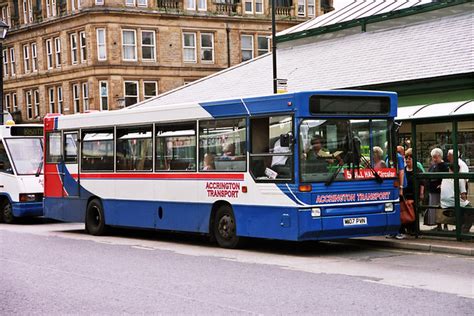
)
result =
(449, 127)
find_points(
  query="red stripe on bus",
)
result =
(171, 176)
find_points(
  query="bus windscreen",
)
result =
(349, 105)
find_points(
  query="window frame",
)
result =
(34, 57)
(58, 158)
(36, 103)
(26, 58)
(57, 51)
(145, 96)
(194, 48)
(59, 92)
(7, 102)
(74, 48)
(97, 130)
(151, 46)
(252, 49)
(130, 96)
(102, 96)
(12, 62)
(132, 127)
(212, 61)
(51, 99)
(49, 53)
(29, 104)
(263, 7)
(76, 160)
(85, 96)
(251, 6)
(5, 54)
(135, 56)
(76, 97)
(101, 45)
(83, 46)
(258, 45)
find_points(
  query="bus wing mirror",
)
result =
(286, 140)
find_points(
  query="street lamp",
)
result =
(3, 33)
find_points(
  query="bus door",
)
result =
(70, 167)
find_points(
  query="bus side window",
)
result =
(53, 147)
(5, 165)
(271, 151)
(70, 147)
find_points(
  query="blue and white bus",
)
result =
(299, 166)
(21, 175)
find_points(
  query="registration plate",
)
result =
(355, 221)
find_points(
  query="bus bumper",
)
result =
(27, 209)
(336, 227)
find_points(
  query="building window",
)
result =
(101, 45)
(26, 58)
(49, 53)
(5, 63)
(130, 3)
(6, 15)
(311, 8)
(75, 5)
(29, 105)
(74, 57)
(248, 4)
(50, 8)
(85, 96)
(59, 91)
(247, 47)
(51, 100)
(57, 49)
(129, 45)
(12, 61)
(27, 11)
(148, 45)
(37, 103)
(150, 89)
(14, 102)
(263, 43)
(104, 95)
(34, 57)
(207, 47)
(131, 92)
(76, 98)
(82, 42)
(7, 102)
(99, 2)
(191, 4)
(259, 6)
(189, 47)
(301, 7)
(142, 3)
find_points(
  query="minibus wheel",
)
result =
(95, 220)
(225, 228)
(7, 213)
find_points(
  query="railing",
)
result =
(283, 10)
(226, 7)
(169, 4)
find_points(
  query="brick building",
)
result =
(71, 56)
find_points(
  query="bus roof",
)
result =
(258, 105)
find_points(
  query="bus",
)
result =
(232, 169)
(21, 176)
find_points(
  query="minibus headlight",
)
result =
(388, 207)
(31, 197)
(315, 212)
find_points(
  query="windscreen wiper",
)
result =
(38, 171)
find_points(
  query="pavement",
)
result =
(422, 243)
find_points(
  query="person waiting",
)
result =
(434, 187)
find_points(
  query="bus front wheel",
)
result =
(95, 220)
(225, 228)
(7, 213)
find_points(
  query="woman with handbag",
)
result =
(409, 191)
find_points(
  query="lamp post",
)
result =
(274, 48)
(3, 33)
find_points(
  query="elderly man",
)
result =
(434, 187)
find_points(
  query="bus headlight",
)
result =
(31, 197)
(388, 207)
(315, 212)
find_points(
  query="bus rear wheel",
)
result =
(95, 219)
(7, 213)
(225, 228)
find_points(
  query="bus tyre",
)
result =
(225, 228)
(95, 220)
(7, 213)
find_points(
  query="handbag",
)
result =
(407, 211)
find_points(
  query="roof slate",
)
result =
(438, 47)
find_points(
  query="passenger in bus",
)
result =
(378, 158)
(280, 163)
(317, 159)
(209, 163)
(228, 151)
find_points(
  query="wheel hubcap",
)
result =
(226, 227)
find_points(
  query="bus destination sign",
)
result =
(26, 131)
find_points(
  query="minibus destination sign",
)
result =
(26, 131)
